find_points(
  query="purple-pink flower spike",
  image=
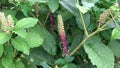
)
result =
(62, 35)
(51, 17)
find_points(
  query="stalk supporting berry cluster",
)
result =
(62, 35)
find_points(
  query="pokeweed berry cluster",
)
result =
(51, 18)
(105, 15)
(62, 36)
(36, 8)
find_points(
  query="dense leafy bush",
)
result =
(59, 34)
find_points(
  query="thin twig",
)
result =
(37, 18)
(46, 18)
(83, 24)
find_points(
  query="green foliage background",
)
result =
(32, 44)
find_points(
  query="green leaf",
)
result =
(114, 46)
(60, 61)
(106, 34)
(77, 39)
(82, 9)
(26, 23)
(8, 50)
(25, 7)
(1, 50)
(38, 55)
(21, 32)
(30, 66)
(100, 55)
(89, 3)
(86, 18)
(49, 44)
(69, 59)
(73, 6)
(117, 65)
(19, 64)
(9, 12)
(45, 65)
(7, 62)
(1, 66)
(4, 38)
(66, 60)
(53, 5)
(70, 65)
(70, 5)
(38, 29)
(115, 34)
(33, 39)
(21, 45)
(95, 38)
(118, 1)
(87, 65)
(65, 14)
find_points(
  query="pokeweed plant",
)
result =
(59, 34)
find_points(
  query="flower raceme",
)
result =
(6, 22)
(62, 35)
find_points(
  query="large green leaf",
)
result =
(1, 50)
(115, 47)
(70, 6)
(33, 39)
(21, 45)
(73, 6)
(26, 23)
(115, 34)
(4, 38)
(49, 44)
(7, 62)
(21, 32)
(53, 5)
(19, 64)
(38, 55)
(100, 55)
(38, 29)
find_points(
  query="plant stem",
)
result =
(84, 40)
(46, 18)
(90, 35)
(83, 24)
